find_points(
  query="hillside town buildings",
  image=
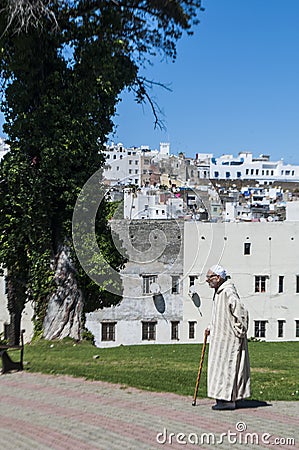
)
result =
(145, 167)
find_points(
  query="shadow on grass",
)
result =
(243, 404)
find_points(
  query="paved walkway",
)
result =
(57, 412)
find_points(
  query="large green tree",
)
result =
(63, 65)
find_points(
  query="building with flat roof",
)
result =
(166, 297)
(246, 167)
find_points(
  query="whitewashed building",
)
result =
(165, 296)
(263, 261)
(122, 165)
(151, 204)
(152, 308)
(246, 167)
(261, 258)
(131, 165)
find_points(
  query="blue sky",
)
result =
(235, 85)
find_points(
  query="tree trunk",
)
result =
(64, 313)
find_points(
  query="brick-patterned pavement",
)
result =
(57, 412)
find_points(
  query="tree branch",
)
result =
(143, 96)
(26, 13)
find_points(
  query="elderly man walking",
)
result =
(228, 363)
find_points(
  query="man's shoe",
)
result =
(223, 405)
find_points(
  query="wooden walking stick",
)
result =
(200, 367)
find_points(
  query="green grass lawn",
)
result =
(168, 368)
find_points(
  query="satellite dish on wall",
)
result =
(195, 297)
(158, 298)
(159, 303)
(196, 300)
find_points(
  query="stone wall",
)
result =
(153, 248)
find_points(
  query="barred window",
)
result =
(260, 283)
(281, 328)
(149, 331)
(175, 330)
(108, 331)
(260, 328)
(175, 284)
(192, 279)
(147, 281)
(192, 330)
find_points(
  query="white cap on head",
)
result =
(218, 270)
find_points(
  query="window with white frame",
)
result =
(147, 280)
(175, 284)
(192, 330)
(260, 328)
(260, 283)
(192, 279)
(280, 324)
(297, 328)
(149, 331)
(280, 283)
(108, 331)
(175, 330)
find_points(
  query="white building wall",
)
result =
(292, 211)
(163, 261)
(164, 149)
(274, 253)
(129, 315)
(122, 165)
(245, 167)
(230, 211)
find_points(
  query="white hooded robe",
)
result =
(228, 363)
